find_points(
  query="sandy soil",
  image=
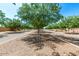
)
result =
(49, 46)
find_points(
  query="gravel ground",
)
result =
(57, 47)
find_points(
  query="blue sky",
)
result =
(68, 9)
(9, 9)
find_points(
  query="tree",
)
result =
(39, 15)
(13, 24)
(67, 23)
(2, 17)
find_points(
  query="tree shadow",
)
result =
(1, 36)
(70, 39)
(32, 39)
(15, 32)
(55, 54)
(73, 33)
(71, 54)
(44, 37)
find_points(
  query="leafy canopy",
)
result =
(2, 17)
(68, 22)
(39, 15)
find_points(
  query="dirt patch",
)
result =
(4, 29)
(49, 45)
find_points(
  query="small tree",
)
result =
(39, 15)
(14, 24)
(2, 17)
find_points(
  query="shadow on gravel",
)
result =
(70, 39)
(44, 37)
(14, 32)
(1, 36)
(73, 33)
(73, 40)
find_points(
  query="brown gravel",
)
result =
(18, 47)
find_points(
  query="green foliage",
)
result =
(39, 15)
(26, 26)
(14, 24)
(2, 17)
(68, 22)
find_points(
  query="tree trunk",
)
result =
(38, 35)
